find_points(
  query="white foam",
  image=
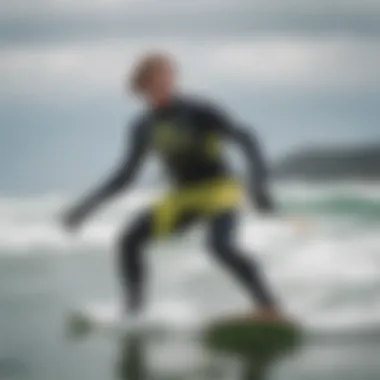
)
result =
(331, 259)
(170, 315)
(318, 191)
(33, 223)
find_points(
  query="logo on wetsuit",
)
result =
(170, 139)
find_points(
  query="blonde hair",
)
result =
(144, 68)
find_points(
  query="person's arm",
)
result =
(119, 180)
(248, 142)
(256, 165)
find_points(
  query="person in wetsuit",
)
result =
(188, 136)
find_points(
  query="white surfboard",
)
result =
(165, 318)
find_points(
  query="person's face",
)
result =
(161, 83)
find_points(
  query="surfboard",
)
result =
(238, 334)
(246, 336)
(84, 321)
(108, 318)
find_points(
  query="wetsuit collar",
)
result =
(174, 102)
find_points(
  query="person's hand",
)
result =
(74, 218)
(301, 225)
(264, 203)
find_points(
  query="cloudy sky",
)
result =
(302, 72)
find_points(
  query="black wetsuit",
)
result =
(188, 137)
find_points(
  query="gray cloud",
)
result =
(77, 48)
(277, 63)
(43, 21)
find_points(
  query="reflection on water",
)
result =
(134, 363)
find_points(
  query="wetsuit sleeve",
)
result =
(251, 147)
(124, 173)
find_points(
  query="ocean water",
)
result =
(322, 257)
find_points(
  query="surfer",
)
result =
(187, 135)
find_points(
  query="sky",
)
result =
(302, 73)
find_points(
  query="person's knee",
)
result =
(134, 238)
(129, 253)
(219, 246)
(128, 242)
(224, 249)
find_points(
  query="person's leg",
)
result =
(131, 247)
(131, 261)
(222, 227)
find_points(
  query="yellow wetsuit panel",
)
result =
(204, 199)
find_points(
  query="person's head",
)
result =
(153, 78)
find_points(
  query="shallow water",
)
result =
(327, 275)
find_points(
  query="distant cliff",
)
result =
(329, 164)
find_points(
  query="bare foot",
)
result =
(269, 315)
